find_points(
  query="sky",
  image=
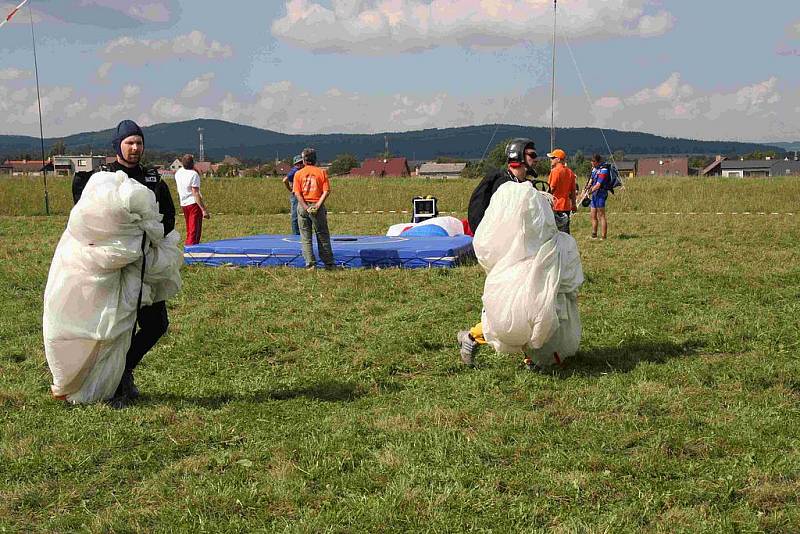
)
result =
(701, 69)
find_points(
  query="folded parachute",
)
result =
(533, 273)
(94, 282)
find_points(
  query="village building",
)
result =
(441, 170)
(666, 166)
(382, 167)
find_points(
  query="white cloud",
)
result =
(758, 111)
(392, 26)
(103, 70)
(198, 86)
(113, 112)
(14, 74)
(138, 52)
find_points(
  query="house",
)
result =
(785, 167)
(742, 168)
(26, 167)
(666, 166)
(441, 170)
(382, 167)
(282, 168)
(627, 169)
(69, 165)
(231, 161)
(714, 168)
(6, 170)
(204, 168)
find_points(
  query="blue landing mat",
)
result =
(348, 251)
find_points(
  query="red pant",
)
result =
(194, 223)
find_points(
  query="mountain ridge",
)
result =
(469, 142)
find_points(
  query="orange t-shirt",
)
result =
(562, 185)
(311, 182)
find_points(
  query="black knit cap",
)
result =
(125, 129)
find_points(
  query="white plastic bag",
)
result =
(94, 282)
(533, 273)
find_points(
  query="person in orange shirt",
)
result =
(311, 188)
(563, 186)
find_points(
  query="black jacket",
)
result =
(482, 195)
(148, 177)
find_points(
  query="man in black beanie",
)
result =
(128, 143)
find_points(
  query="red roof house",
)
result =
(382, 167)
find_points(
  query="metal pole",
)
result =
(553, 85)
(41, 128)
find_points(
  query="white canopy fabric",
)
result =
(533, 274)
(94, 281)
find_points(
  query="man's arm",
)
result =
(198, 198)
(79, 182)
(167, 207)
(573, 191)
(287, 184)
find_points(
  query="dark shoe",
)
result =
(126, 387)
(118, 402)
(469, 347)
(530, 366)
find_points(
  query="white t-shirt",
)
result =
(185, 180)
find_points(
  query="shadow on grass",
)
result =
(328, 391)
(625, 357)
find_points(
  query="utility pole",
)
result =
(553, 84)
(202, 148)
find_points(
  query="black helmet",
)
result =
(515, 149)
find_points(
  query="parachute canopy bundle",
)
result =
(533, 273)
(92, 293)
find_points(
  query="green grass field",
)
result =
(283, 400)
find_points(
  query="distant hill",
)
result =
(788, 146)
(470, 142)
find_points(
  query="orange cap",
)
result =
(557, 153)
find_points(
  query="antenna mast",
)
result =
(553, 84)
(202, 148)
(39, 102)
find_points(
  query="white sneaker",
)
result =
(469, 347)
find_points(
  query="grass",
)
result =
(290, 401)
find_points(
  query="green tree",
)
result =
(761, 154)
(343, 164)
(58, 149)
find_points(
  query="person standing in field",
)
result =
(128, 143)
(520, 160)
(311, 188)
(288, 181)
(597, 189)
(563, 184)
(194, 209)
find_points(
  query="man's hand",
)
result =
(312, 209)
(206, 215)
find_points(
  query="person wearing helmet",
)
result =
(288, 181)
(152, 320)
(520, 159)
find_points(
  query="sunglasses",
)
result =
(531, 154)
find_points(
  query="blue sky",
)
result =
(702, 69)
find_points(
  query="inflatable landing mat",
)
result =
(352, 251)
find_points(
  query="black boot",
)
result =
(126, 386)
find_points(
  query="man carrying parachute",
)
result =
(115, 265)
(533, 271)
